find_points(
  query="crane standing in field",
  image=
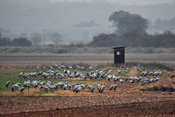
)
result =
(102, 88)
(119, 71)
(21, 89)
(113, 87)
(7, 83)
(172, 75)
(14, 87)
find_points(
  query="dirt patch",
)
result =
(160, 88)
(162, 108)
(70, 93)
(10, 105)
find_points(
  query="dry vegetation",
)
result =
(81, 49)
(25, 60)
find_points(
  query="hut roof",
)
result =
(117, 47)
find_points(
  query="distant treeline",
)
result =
(16, 42)
(165, 40)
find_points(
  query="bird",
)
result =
(98, 86)
(75, 88)
(21, 89)
(109, 77)
(52, 87)
(92, 89)
(144, 73)
(46, 88)
(113, 87)
(7, 83)
(121, 81)
(172, 75)
(102, 89)
(65, 86)
(14, 87)
(78, 89)
(90, 67)
(69, 87)
(20, 74)
(150, 73)
(126, 70)
(119, 71)
(70, 67)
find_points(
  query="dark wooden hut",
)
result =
(119, 55)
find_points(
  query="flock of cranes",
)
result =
(70, 73)
(48, 86)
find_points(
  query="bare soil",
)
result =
(87, 106)
(21, 60)
(163, 108)
(127, 100)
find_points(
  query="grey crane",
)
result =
(92, 89)
(172, 75)
(109, 77)
(69, 86)
(78, 89)
(98, 86)
(102, 89)
(46, 88)
(52, 87)
(121, 81)
(65, 86)
(25, 75)
(126, 70)
(113, 87)
(21, 89)
(119, 71)
(75, 88)
(14, 87)
(7, 83)
(20, 74)
(144, 73)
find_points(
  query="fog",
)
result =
(78, 20)
(124, 2)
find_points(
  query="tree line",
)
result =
(16, 42)
(131, 31)
(166, 40)
(35, 39)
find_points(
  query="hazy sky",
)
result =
(128, 2)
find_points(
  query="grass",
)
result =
(12, 74)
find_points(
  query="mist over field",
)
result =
(78, 20)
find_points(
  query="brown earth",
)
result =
(86, 106)
(127, 100)
(163, 108)
(24, 60)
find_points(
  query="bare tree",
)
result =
(36, 38)
(57, 38)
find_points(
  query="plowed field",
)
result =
(143, 103)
